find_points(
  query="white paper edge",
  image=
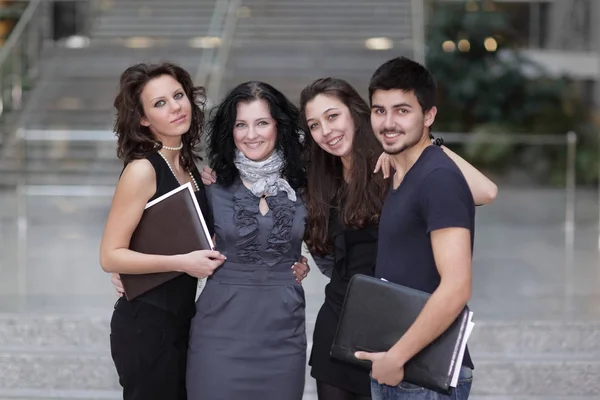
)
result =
(167, 195)
(461, 352)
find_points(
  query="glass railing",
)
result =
(19, 60)
(40, 25)
(214, 59)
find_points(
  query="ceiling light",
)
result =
(464, 45)
(448, 46)
(244, 12)
(490, 44)
(77, 42)
(205, 42)
(379, 43)
(139, 42)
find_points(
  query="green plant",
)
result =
(487, 87)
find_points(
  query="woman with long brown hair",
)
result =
(344, 200)
(159, 124)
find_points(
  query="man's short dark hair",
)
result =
(407, 75)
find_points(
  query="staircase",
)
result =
(67, 357)
(159, 19)
(536, 360)
(65, 135)
(289, 43)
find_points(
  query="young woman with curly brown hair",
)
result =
(159, 124)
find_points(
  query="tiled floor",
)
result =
(522, 269)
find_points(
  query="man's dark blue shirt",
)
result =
(433, 195)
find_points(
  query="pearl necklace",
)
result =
(173, 148)
(197, 188)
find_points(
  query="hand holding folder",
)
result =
(172, 224)
(377, 313)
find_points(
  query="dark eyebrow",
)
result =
(395, 106)
(174, 92)
(324, 112)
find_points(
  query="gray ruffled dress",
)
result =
(248, 338)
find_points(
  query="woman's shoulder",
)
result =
(140, 169)
(219, 192)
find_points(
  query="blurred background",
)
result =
(519, 97)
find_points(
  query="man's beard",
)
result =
(403, 147)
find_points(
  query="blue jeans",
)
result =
(407, 391)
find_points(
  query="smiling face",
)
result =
(398, 120)
(330, 124)
(167, 109)
(255, 130)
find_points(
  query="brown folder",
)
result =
(171, 224)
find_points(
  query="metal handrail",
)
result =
(218, 69)
(213, 60)
(214, 30)
(508, 138)
(19, 59)
(569, 140)
(18, 30)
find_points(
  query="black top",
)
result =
(433, 195)
(355, 253)
(177, 295)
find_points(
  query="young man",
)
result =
(427, 224)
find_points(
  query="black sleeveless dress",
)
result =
(355, 252)
(150, 334)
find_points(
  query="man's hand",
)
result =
(301, 269)
(116, 281)
(385, 370)
(208, 176)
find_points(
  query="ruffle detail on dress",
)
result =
(245, 209)
(283, 211)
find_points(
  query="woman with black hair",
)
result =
(248, 339)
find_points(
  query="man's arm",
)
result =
(447, 208)
(452, 252)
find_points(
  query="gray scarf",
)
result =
(265, 176)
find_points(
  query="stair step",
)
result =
(195, 16)
(513, 360)
(324, 8)
(490, 341)
(124, 3)
(53, 331)
(274, 60)
(331, 33)
(44, 394)
(536, 338)
(95, 370)
(12, 178)
(299, 18)
(539, 378)
(111, 67)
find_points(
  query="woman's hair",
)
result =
(136, 141)
(359, 200)
(221, 146)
